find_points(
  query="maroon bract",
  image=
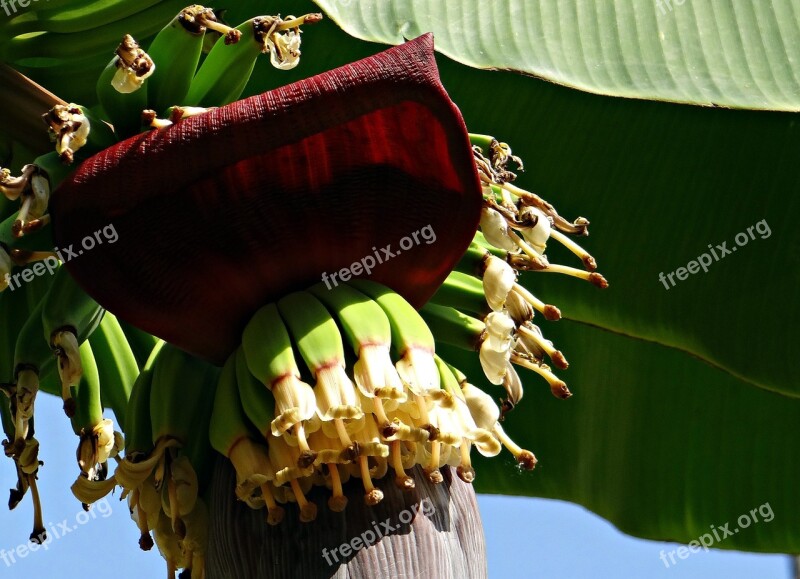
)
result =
(229, 210)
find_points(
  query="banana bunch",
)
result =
(168, 458)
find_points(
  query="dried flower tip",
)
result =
(401, 480)
(579, 227)
(31, 216)
(26, 390)
(150, 119)
(197, 19)
(39, 533)
(134, 66)
(464, 470)
(308, 510)
(282, 38)
(69, 128)
(531, 336)
(525, 458)
(95, 448)
(13, 187)
(432, 470)
(557, 387)
(64, 343)
(588, 261)
(337, 502)
(594, 278)
(275, 513)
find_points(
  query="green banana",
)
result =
(370, 335)
(275, 398)
(117, 365)
(412, 340)
(232, 436)
(463, 292)
(226, 69)
(180, 393)
(181, 402)
(256, 398)
(450, 326)
(32, 361)
(79, 44)
(54, 17)
(176, 53)
(122, 88)
(98, 440)
(320, 344)
(69, 316)
(139, 430)
(141, 343)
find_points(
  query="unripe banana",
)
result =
(69, 317)
(370, 335)
(320, 344)
(121, 87)
(232, 436)
(117, 365)
(463, 292)
(176, 52)
(139, 431)
(226, 70)
(270, 358)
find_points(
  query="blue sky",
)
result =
(525, 537)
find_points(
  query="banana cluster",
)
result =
(168, 459)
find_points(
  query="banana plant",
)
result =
(341, 381)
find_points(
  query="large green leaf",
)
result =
(736, 54)
(662, 445)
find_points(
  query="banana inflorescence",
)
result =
(328, 384)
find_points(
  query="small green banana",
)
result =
(176, 53)
(116, 364)
(122, 90)
(69, 316)
(232, 436)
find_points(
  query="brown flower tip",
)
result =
(275, 516)
(598, 280)
(405, 483)
(337, 504)
(308, 512)
(373, 497)
(145, 542)
(559, 361)
(434, 476)
(466, 474)
(307, 458)
(551, 313)
(560, 390)
(526, 460)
